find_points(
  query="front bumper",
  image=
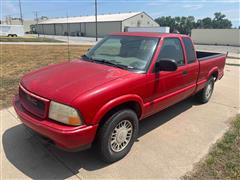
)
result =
(66, 137)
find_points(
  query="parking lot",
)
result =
(169, 143)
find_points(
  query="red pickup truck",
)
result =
(102, 96)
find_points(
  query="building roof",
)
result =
(100, 18)
(148, 34)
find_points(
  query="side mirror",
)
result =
(165, 65)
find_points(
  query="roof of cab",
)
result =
(148, 34)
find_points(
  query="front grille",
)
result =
(33, 104)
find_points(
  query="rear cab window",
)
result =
(172, 49)
(190, 52)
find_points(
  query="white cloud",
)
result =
(154, 3)
(9, 8)
(231, 14)
(193, 7)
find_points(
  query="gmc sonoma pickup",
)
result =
(102, 96)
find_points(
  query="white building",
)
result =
(86, 26)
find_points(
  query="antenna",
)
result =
(96, 23)
(68, 38)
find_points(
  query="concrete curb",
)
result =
(233, 57)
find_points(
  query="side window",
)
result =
(172, 49)
(189, 50)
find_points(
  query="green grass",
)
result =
(27, 39)
(223, 160)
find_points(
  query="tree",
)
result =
(207, 23)
(166, 21)
(185, 24)
(219, 16)
(189, 25)
(219, 21)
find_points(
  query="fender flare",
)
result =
(114, 103)
(213, 70)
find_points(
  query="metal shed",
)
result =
(86, 26)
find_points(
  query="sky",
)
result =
(155, 8)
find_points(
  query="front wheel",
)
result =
(204, 95)
(117, 135)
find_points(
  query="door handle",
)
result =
(185, 72)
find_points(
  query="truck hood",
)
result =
(64, 82)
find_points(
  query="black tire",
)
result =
(9, 35)
(14, 35)
(204, 95)
(106, 131)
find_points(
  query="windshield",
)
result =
(131, 52)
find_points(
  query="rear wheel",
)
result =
(204, 95)
(117, 135)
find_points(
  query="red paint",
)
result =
(94, 89)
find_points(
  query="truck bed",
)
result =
(203, 55)
(210, 62)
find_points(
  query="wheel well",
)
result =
(127, 105)
(215, 75)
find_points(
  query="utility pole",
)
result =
(36, 18)
(6, 19)
(20, 8)
(9, 20)
(96, 20)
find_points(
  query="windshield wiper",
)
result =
(103, 61)
(118, 65)
(86, 57)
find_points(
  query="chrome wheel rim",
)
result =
(209, 90)
(121, 135)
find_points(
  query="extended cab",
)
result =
(102, 96)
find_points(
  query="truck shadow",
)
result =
(156, 120)
(39, 160)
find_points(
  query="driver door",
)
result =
(168, 87)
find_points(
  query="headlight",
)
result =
(64, 114)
